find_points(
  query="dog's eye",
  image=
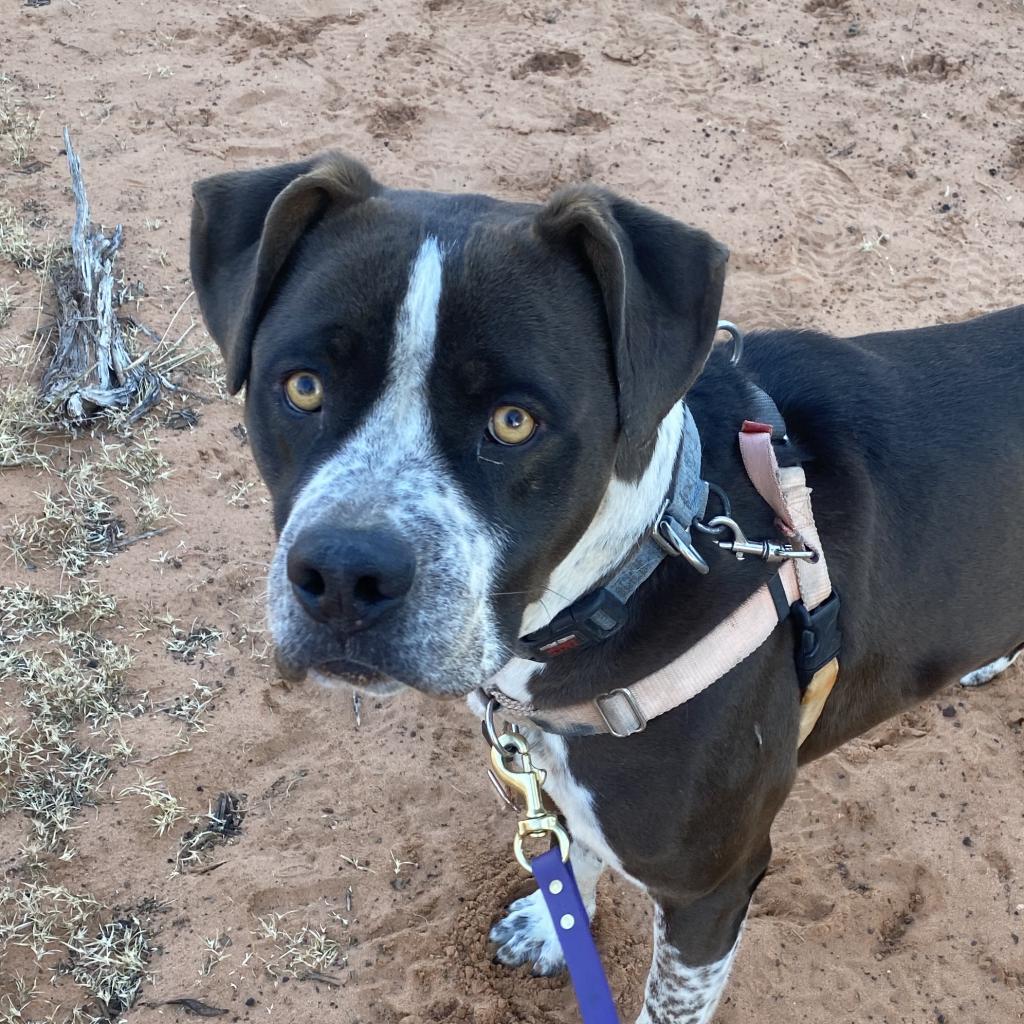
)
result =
(511, 424)
(304, 391)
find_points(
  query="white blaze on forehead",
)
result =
(416, 330)
(397, 429)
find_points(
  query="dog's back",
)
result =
(916, 456)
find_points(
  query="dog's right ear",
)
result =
(244, 225)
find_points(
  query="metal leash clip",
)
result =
(535, 820)
(766, 550)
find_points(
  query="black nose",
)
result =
(350, 578)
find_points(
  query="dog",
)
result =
(469, 413)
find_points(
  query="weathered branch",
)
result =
(93, 371)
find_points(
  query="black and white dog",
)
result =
(468, 413)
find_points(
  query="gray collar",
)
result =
(597, 615)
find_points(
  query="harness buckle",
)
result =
(818, 637)
(608, 708)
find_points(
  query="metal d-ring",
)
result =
(737, 340)
(720, 530)
(491, 732)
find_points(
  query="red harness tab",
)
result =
(754, 427)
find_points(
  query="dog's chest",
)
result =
(573, 798)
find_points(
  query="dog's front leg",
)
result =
(526, 935)
(694, 946)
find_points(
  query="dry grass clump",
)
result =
(25, 612)
(42, 917)
(13, 1005)
(53, 782)
(198, 639)
(80, 518)
(20, 428)
(189, 708)
(206, 365)
(108, 959)
(166, 808)
(111, 964)
(18, 127)
(69, 676)
(18, 245)
(81, 679)
(136, 461)
(78, 522)
(308, 953)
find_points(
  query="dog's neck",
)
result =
(627, 513)
(691, 604)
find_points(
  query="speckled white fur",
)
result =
(678, 993)
(985, 674)
(389, 472)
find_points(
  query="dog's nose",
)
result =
(350, 578)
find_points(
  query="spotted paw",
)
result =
(985, 674)
(525, 935)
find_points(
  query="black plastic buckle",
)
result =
(818, 637)
(588, 621)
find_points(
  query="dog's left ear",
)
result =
(244, 226)
(662, 286)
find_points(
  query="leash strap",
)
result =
(572, 926)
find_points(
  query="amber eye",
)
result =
(511, 424)
(304, 391)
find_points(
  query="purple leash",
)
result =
(512, 770)
(572, 926)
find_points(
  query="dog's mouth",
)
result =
(339, 672)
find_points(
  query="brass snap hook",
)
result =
(536, 821)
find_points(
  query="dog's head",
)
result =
(466, 410)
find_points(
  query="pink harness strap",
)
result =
(786, 491)
(627, 710)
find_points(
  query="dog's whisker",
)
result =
(483, 458)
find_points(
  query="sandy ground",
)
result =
(865, 163)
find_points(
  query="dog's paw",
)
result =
(985, 674)
(526, 935)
